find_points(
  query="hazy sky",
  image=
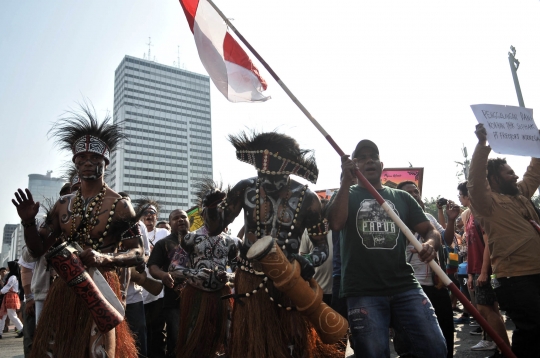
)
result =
(401, 73)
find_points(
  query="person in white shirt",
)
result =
(148, 210)
(11, 302)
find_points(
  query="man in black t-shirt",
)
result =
(158, 265)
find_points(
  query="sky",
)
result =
(401, 73)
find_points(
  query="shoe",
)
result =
(0, 336)
(462, 320)
(484, 346)
(497, 354)
(457, 309)
(476, 332)
(474, 323)
(19, 334)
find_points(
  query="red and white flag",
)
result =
(226, 62)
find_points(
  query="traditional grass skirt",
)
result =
(65, 325)
(203, 322)
(260, 328)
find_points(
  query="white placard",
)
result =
(510, 130)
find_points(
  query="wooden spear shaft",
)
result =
(507, 351)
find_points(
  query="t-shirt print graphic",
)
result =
(375, 227)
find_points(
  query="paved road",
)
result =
(11, 347)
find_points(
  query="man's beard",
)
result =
(508, 188)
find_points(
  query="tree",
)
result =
(431, 205)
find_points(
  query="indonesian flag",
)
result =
(226, 62)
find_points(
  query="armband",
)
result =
(131, 233)
(318, 229)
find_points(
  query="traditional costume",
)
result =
(203, 312)
(265, 320)
(81, 306)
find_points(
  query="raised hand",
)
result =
(347, 169)
(26, 207)
(481, 133)
(452, 210)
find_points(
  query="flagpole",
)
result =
(366, 184)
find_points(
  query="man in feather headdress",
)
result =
(91, 228)
(265, 323)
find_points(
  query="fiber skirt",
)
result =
(65, 325)
(262, 326)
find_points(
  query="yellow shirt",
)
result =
(513, 242)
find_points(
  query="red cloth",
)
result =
(475, 247)
(10, 301)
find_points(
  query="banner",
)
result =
(510, 130)
(391, 177)
(195, 219)
(325, 193)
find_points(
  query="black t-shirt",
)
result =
(161, 257)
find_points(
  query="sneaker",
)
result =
(474, 323)
(476, 332)
(462, 320)
(484, 346)
(19, 334)
(457, 309)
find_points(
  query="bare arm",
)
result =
(26, 280)
(486, 264)
(338, 211)
(452, 211)
(159, 274)
(478, 185)
(432, 241)
(440, 216)
(38, 241)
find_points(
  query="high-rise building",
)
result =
(8, 230)
(6, 238)
(165, 112)
(44, 188)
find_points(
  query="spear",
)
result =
(366, 184)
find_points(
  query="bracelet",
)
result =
(29, 297)
(33, 223)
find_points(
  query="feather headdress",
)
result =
(81, 132)
(275, 154)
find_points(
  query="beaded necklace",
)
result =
(89, 216)
(246, 265)
(258, 210)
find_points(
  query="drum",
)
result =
(306, 295)
(65, 260)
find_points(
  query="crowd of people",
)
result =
(101, 277)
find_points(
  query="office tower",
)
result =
(165, 111)
(44, 188)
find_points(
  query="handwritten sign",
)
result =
(510, 130)
(393, 176)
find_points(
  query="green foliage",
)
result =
(431, 205)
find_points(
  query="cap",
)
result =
(365, 143)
